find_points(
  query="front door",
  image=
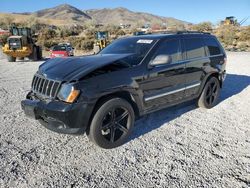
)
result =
(164, 84)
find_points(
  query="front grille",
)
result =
(45, 87)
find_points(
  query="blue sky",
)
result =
(194, 11)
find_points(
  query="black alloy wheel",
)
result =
(210, 93)
(112, 123)
(115, 124)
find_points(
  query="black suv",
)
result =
(103, 94)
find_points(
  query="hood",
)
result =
(74, 68)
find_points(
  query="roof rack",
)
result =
(194, 32)
(182, 32)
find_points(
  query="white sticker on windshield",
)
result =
(144, 41)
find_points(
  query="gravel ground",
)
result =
(182, 146)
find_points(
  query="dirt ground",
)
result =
(182, 146)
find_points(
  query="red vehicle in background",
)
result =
(60, 51)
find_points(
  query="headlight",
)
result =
(68, 93)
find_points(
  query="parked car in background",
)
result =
(103, 94)
(69, 46)
(60, 51)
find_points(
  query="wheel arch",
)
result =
(216, 75)
(206, 79)
(126, 95)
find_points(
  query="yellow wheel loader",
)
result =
(101, 41)
(20, 45)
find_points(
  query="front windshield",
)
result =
(137, 47)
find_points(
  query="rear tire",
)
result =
(112, 123)
(11, 59)
(210, 94)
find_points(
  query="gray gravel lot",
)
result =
(182, 146)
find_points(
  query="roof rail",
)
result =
(194, 32)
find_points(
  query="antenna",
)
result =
(243, 20)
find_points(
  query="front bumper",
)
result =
(59, 116)
(24, 52)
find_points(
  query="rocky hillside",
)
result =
(63, 12)
(68, 14)
(125, 16)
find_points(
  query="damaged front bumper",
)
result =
(59, 116)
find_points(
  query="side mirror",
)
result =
(161, 60)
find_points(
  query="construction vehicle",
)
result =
(101, 38)
(231, 20)
(20, 44)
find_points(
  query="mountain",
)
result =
(125, 16)
(63, 12)
(68, 15)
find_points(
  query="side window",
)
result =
(194, 48)
(212, 46)
(171, 48)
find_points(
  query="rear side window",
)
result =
(170, 47)
(212, 46)
(194, 48)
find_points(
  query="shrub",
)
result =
(76, 42)
(227, 34)
(47, 34)
(120, 33)
(3, 39)
(49, 43)
(245, 34)
(242, 46)
(203, 27)
(69, 31)
(8, 20)
(87, 44)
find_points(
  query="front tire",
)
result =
(39, 53)
(112, 123)
(210, 94)
(34, 56)
(11, 59)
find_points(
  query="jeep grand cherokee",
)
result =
(103, 94)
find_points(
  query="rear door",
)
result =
(165, 84)
(196, 59)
